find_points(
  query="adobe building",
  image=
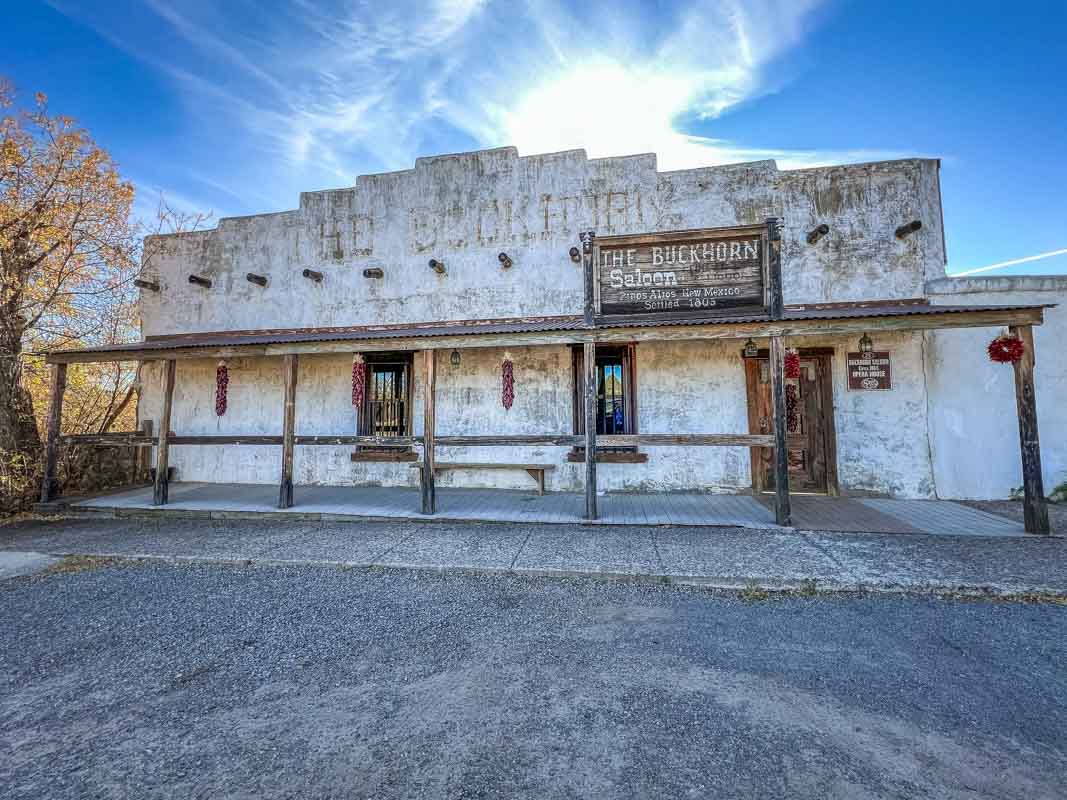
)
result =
(742, 329)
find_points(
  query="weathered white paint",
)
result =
(973, 427)
(958, 440)
(683, 387)
(465, 209)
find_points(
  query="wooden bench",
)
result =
(536, 471)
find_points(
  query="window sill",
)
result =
(578, 457)
(385, 455)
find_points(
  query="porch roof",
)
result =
(806, 320)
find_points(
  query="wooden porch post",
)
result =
(588, 239)
(776, 303)
(429, 494)
(160, 493)
(1035, 512)
(589, 363)
(782, 512)
(49, 483)
(285, 491)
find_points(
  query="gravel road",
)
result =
(149, 680)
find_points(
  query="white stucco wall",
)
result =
(683, 387)
(464, 209)
(973, 422)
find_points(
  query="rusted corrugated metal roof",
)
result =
(570, 322)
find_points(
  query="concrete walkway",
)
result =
(336, 503)
(721, 557)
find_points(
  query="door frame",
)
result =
(824, 366)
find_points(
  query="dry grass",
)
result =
(71, 565)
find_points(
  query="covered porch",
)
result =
(868, 515)
(791, 326)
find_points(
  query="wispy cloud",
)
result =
(310, 96)
(1012, 262)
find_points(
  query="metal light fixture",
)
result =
(505, 260)
(866, 345)
(751, 350)
(454, 358)
(576, 255)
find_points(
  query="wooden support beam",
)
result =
(782, 512)
(775, 301)
(285, 490)
(1035, 510)
(135, 438)
(589, 364)
(161, 490)
(131, 438)
(429, 410)
(49, 482)
(588, 276)
(687, 440)
(927, 320)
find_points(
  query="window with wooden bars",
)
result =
(616, 398)
(387, 406)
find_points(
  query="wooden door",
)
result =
(809, 423)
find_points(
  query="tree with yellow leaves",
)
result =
(69, 251)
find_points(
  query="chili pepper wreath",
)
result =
(792, 363)
(359, 380)
(1006, 349)
(507, 381)
(222, 382)
(792, 419)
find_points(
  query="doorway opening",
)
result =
(811, 438)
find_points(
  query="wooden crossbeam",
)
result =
(135, 438)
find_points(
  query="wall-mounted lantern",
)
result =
(312, 275)
(374, 272)
(751, 350)
(910, 228)
(866, 345)
(437, 266)
(817, 233)
(258, 280)
(454, 358)
(200, 281)
(505, 260)
(576, 255)
(151, 286)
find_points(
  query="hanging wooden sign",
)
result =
(710, 272)
(869, 372)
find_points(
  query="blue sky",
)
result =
(237, 106)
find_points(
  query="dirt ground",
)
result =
(124, 679)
